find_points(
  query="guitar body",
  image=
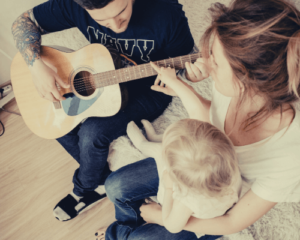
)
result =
(49, 120)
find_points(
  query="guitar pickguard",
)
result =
(74, 105)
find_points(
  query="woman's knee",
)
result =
(90, 137)
(113, 186)
(132, 180)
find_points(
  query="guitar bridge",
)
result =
(57, 105)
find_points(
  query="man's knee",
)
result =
(93, 133)
(90, 137)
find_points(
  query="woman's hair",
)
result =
(261, 41)
(200, 157)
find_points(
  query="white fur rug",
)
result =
(283, 221)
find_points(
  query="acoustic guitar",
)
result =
(94, 87)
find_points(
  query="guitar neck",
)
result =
(140, 71)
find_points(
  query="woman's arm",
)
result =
(247, 211)
(174, 214)
(177, 218)
(196, 106)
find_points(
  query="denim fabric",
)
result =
(89, 142)
(127, 188)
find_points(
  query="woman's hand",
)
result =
(164, 80)
(196, 71)
(152, 213)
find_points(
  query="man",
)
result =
(143, 30)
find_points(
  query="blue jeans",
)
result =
(127, 188)
(89, 142)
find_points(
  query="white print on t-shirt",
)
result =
(110, 41)
(126, 46)
(96, 34)
(145, 46)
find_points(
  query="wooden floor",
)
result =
(34, 175)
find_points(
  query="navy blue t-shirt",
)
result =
(158, 29)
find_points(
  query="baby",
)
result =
(197, 166)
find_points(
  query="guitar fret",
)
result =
(125, 74)
(142, 71)
(114, 77)
(106, 78)
(117, 75)
(181, 62)
(134, 73)
(122, 73)
(139, 72)
(146, 72)
(123, 78)
(110, 77)
(153, 71)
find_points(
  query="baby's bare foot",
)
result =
(100, 234)
(135, 135)
(151, 134)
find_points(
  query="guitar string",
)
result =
(147, 65)
(110, 79)
(79, 86)
(108, 73)
(92, 86)
(106, 77)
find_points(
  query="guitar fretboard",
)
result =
(141, 71)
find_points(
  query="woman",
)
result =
(254, 62)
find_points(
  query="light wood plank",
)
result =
(35, 174)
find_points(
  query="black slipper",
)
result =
(68, 208)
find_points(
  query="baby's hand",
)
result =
(168, 182)
(135, 135)
(151, 134)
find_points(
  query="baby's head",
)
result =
(200, 157)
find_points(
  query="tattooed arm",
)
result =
(27, 35)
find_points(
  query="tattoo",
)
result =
(27, 35)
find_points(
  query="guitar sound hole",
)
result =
(84, 83)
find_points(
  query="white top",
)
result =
(202, 206)
(272, 166)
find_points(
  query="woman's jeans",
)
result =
(89, 142)
(127, 188)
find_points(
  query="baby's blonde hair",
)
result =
(200, 157)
